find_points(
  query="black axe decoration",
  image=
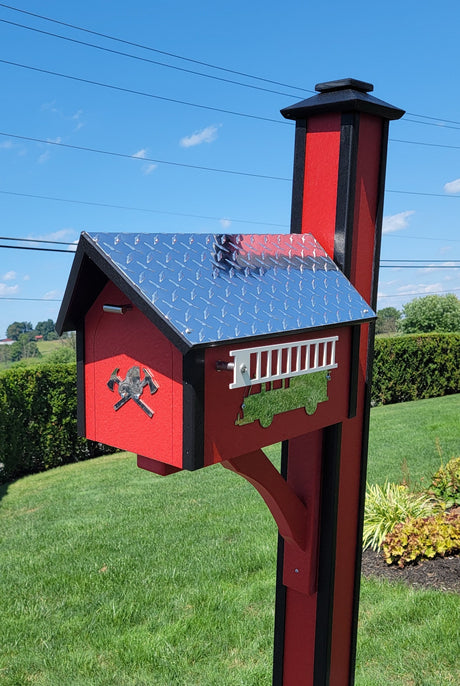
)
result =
(131, 387)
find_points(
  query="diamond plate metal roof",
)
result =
(221, 287)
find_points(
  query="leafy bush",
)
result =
(423, 537)
(386, 507)
(432, 313)
(445, 484)
(38, 426)
(415, 366)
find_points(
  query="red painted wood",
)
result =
(321, 176)
(299, 637)
(287, 509)
(114, 341)
(366, 197)
(304, 477)
(370, 132)
(224, 440)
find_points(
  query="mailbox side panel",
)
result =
(133, 382)
(231, 424)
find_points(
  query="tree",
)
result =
(17, 328)
(439, 313)
(23, 348)
(387, 321)
(45, 329)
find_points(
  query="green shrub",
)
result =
(445, 484)
(38, 427)
(415, 366)
(423, 537)
(385, 507)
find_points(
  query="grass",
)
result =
(113, 576)
(408, 441)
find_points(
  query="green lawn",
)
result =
(111, 576)
(405, 439)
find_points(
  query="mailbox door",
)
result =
(133, 382)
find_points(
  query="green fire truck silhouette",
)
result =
(304, 391)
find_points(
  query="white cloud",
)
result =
(207, 135)
(52, 295)
(26, 277)
(149, 168)
(77, 118)
(452, 187)
(140, 154)
(6, 145)
(8, 290)
(419, 288)
(396, 222)
(9, 276)
(225, 223)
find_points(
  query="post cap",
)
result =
(342, 95)
(342, 84)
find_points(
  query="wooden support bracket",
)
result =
(289, 512)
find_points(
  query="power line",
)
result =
(144, 159)
(416, 261)
(188, 59)
(431, 123)
(33, 240)
(404, 295)
(418, 266)
(26, 247)
(400, 263)
(145, 59)
(144, 94)
(156, 50)
(143, 209)
(425, 116)
(46, 300)
(430, 145)
(176, 101)
(422, 238)
(431, 195)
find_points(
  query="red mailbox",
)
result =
(170, 323)
(194, 349)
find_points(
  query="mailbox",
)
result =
(194, 349)
(198, 348)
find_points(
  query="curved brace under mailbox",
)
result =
(290, 514)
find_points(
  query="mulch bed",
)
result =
(441, 573)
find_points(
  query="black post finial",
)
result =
(344, 84)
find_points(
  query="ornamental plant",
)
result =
(388, 505)
(445, 485)
(421, 537)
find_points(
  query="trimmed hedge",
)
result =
(38, 424)
(415, 366)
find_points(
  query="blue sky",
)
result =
(408, 50)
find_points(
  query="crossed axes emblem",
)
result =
(131, 387)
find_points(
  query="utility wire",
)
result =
(46, 300)
(33, 240)
(187, 59)
(403, 295)
(144, 159)
(401, 264)
(142, 209)
(146, 59)
(26, 247)
(113, 153)
(144, 94)
(156, 50)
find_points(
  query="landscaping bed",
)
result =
(440, 573)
